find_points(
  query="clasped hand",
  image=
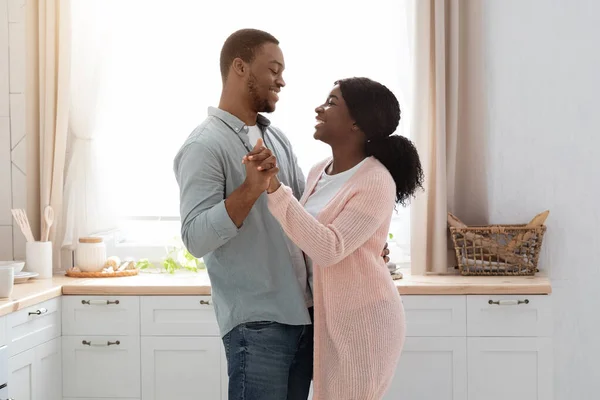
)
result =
(261, 169)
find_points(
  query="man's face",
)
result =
(265, 78)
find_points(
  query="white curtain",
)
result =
(86, 208)
(448, 73)
(434, 127)
(47, 109)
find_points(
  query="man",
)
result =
(258, 276)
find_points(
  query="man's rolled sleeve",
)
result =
(205, 223)
(221, 221)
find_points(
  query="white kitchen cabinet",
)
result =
(431, 368)
(21, 379)
(503, 368)
(444, 315)
(35, 374)
(178, 316)
(169, 347)
(509, 315)
(33, 325)
(101, 366)
(101, 315)
(181, 368)
(48, 358)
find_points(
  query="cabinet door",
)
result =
(21, 380)
(181, 368)
(101, 315)
(48, 369)
(431, 368)
(101, 366)
(33, 326)
(510, 368)
(178, 316)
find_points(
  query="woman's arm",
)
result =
(328, 244)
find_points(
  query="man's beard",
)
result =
(259, 105)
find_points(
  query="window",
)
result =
(161, 72)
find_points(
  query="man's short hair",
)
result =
(243, 44)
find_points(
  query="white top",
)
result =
(296, 254)
(325, 190)
(254, 133)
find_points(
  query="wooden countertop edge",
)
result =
(28, 301)
(136, 290)
(474, 290)
(450, 289)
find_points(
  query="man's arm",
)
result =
(207, 222)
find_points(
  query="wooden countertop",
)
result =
(37, 290)
(199, 284)
(34, 291)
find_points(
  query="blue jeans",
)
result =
(269, 361)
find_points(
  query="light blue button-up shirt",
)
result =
(250, 268)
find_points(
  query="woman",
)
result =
(341, 223)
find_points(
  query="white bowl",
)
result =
(17, 265)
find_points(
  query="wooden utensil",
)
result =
(48, 221)
(536, 222)
(21, 217)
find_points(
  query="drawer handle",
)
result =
(99, 302)
(39, 312)
(508, 302)
(205, 302)
(100, 344)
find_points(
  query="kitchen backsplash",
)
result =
(12, 126)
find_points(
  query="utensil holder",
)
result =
(38, 258)
(7, 277)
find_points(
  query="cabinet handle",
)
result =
(205, 302)
(100, 344)
(508, 302)
(99, 302)
(39, 312)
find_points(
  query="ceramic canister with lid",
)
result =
(90, 255)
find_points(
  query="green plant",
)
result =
(178, 257)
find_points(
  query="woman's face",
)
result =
(334, 123)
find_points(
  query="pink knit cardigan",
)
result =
(359, 318)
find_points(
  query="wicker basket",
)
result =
(497, 249)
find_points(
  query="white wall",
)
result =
(12, 126)
(540, 66)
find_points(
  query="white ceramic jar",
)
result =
(90, 255)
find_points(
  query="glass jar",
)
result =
(90, 255)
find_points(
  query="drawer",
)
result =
(178, 315)
(101, 315)
(3, 333)
(509, 315)
(34, 325)
(101, 366)
(3, 367)
(435, 315)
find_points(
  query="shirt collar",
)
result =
(234, 122)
